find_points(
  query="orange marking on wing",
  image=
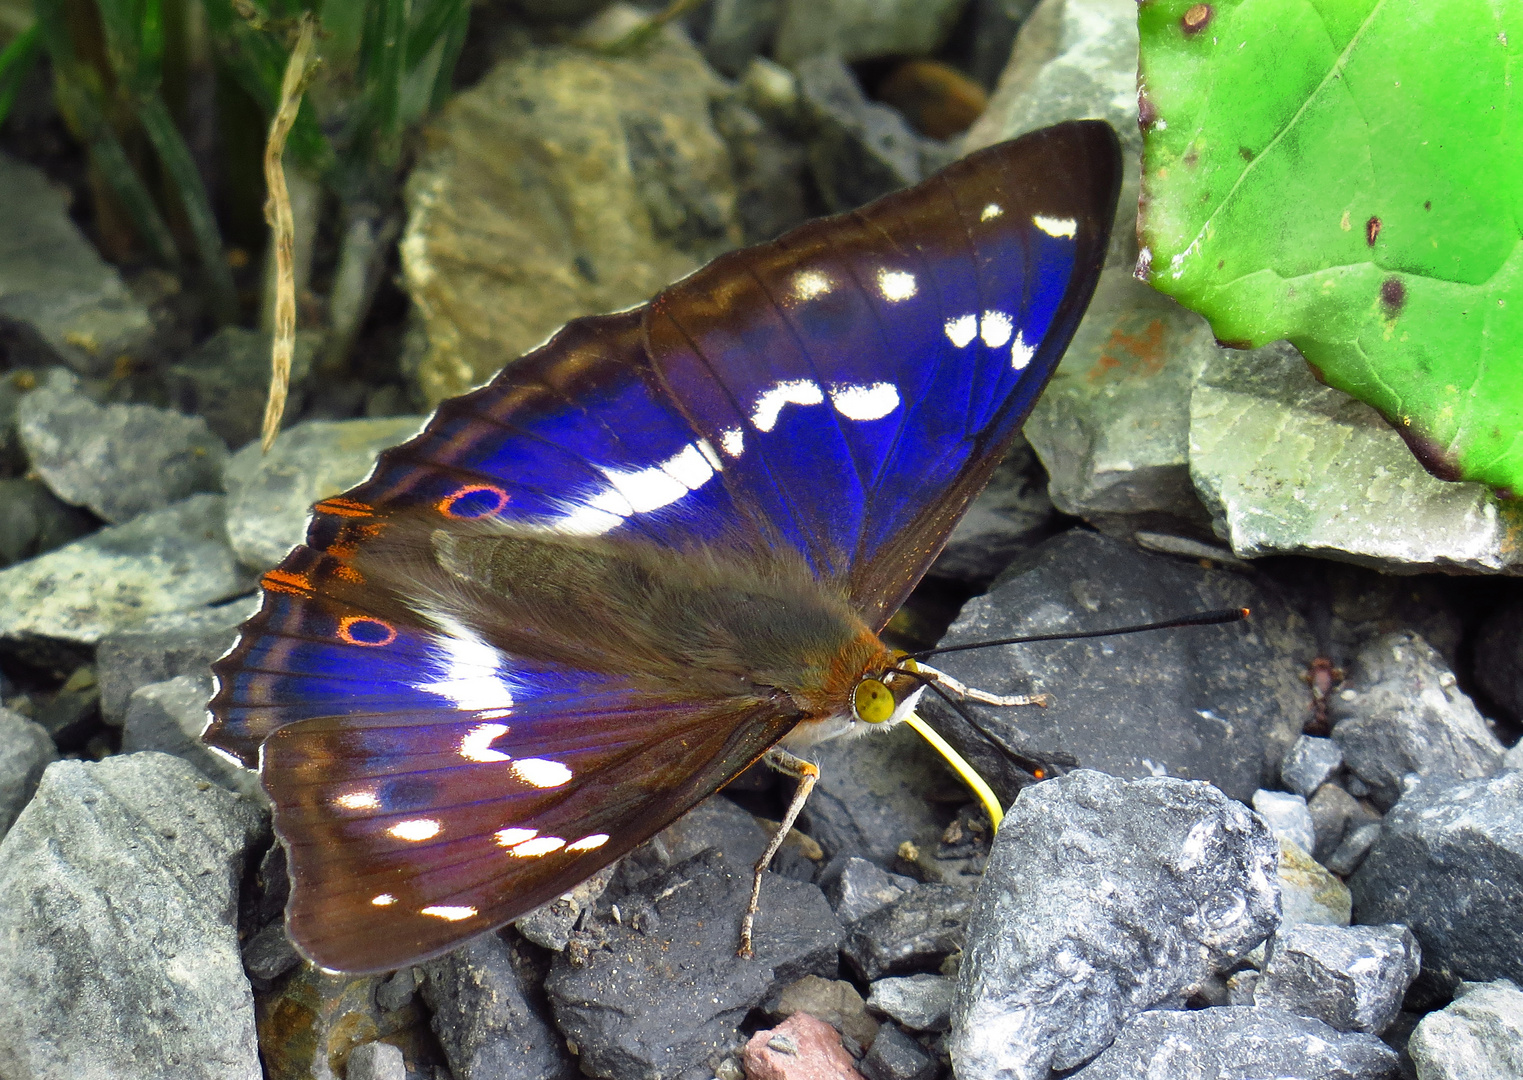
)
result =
(283, 581)
(340, 550)
(349, 574)
(349, 623)
(342, 507)
(446, 505)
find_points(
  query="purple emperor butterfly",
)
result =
(593, 591)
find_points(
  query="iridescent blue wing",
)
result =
(862, 375)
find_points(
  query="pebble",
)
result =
(269, 495)
(1352, 849)
(169, 717)
(918, 1002)
(1477, 1037)
(1333, 812)
(863, 29)
(800, 1048)
(163, 647)
(1238, 1043)
(1175, 882)
(549, 926)
(1350, 977)
(1449, 864)
(26, 749)
(1216, 703)
(834, 1001)
(123, 874)
(1287, 817)
(1310, 763)
(226, 379)
(486, 1015)
(1400, 712)
(666, 999)
(167, 560)
(34, 521)
(376, 1061)
(1308, 893)
(71, 305)
(117, 460)
(896, 1056)
(862, 887)
(913, 933)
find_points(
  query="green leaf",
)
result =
(1347, 174)
(16, 62)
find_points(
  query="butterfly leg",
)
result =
(972, 693)
(806, 773)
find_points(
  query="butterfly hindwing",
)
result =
(828, 402)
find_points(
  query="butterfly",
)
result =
(648, 553)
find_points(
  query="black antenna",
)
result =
(1204, 618)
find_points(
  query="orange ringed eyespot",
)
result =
(473, 501)
(366, 631)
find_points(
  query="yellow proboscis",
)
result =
(960, 765)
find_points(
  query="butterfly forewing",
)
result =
(828, 402)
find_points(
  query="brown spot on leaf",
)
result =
(1372, 231)
(1234, 343)
(1197, 18)
(1147, 112)
(1220, 263)
(1428, 205)
(1393, 294)
(1192, 157)
(1426, 450)
(1245, 153)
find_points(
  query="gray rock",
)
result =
(1241, 985)
(118, 460)
(1287, 465)
(485, 1016)
(1513, 759)
(118, 897)
(564, 183)
(1112, 427)
(269, 495)
(34, 521)
(270, 953)
(915, 932)
(835, 1001)
(875, 793)
(376, 1061)
(738, 31)
(1478, 1037)
(1400, 712)
(58, 299)
(919, 1002)
(896, 1056)
(160, 648)
(663, 995)
(771, 170)
(1308, 893)
(1214, 703)
(26, 749)
(863, 29)
(862, 887)
(1237, 1043)
(169, 717)
(227, 378)
(1352, 849)
(1175, 882)
(1010, 515)
(1449, 864)
(1310, 763)
(549, 926)
(168, 560)
(1351, 977)
(1333, 811)
(858, 149)
(1287, 816)
(397, 992)
(14, 385)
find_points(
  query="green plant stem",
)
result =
(174, 155)
(15, 65)
(384, 50)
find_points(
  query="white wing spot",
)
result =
(639, 491)
(384, 899)
(589, 843)
(509, 837)
(415, 829)
(992, 211)
(1021, 353)
(962, 329)
(896, 285)
(358, 800)
(476, 744)
(870, 402)
(448, 913)
(706, 448)
(471, 673)
(794, 392)
(808, 284)
(734, 441)
(541, 772)
(542, 846)
(995, 328)
(1059, 228)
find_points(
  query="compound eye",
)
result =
(872, 701)
(904, 661)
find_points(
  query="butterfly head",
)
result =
(885, 697)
